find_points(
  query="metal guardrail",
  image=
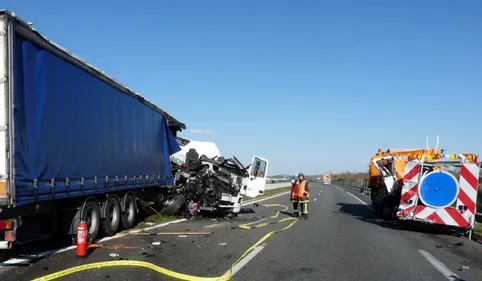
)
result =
(362, 185)
(270, 186)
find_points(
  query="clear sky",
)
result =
(310, 85)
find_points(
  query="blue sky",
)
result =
(310, 85)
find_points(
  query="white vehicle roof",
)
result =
(209, 149)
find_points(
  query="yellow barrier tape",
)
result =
(174, 274)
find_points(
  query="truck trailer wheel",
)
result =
(128, 217)
(91, 215)
(112, 216)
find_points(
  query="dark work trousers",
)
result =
(304, 207)
(295, 207)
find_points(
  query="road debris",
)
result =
(222, 244)
(157, 243)
(114, 255)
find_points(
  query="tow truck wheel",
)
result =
(112, 214)
(128, 217)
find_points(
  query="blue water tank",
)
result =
(438, 189)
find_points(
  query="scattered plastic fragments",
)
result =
(222, 244)
(156, 243)
(114, 255)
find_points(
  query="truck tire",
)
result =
(128, 217)
(112, 216)
(173, 205)
(91, 215)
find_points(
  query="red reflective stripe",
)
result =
(419, 209)
(409, 194)
(434, 217)
(457, 216)
(464, 198)
(469, 177)
(413, 172)
(406, 212)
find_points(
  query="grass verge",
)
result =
(156, 219)
(269, 192)
(478, 228)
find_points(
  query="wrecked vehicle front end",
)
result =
(207, 184)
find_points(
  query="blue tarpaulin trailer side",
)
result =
(75, 134)
(75, 143)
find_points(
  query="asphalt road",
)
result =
(341, 240)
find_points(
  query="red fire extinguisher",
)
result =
(82, 239)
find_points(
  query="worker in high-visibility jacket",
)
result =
(294, 196)
(303, 195)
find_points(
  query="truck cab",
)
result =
(243, 180)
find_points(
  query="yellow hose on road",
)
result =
(174, 274)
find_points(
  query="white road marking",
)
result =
(28, 258)
(365, 204)
(154, 227)
(246, 259)
(439, 266)
(264, 198)
(340, 188)
(214, 225)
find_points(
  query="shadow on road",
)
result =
(287, 213)
(245, 211)
(361, 212)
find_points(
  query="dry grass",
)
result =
(350, 177)
(478, 228)
(157, 218)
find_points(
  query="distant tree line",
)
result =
(349, 176)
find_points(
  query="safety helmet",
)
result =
(301, 175)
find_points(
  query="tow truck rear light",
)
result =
(6, 224)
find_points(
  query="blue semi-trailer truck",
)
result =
(74, 142)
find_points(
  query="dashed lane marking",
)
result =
(439, 266)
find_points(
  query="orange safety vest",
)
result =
(301, 190)
(294, 191)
